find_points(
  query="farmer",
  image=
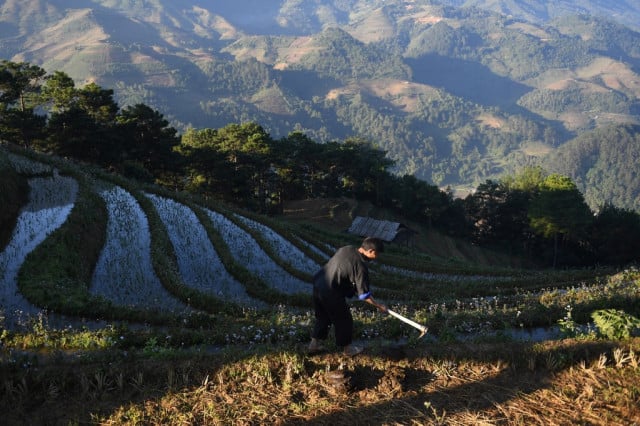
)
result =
(344, 275)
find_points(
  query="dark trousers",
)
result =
(331, 308)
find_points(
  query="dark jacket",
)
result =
(346, 272)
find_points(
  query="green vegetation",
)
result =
(13, 196)
(224, 363)
(346, 59)
(615, 324)
(544, 218)
(588, 159)
(454, 95)
(228, 364)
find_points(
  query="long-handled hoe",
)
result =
(422, 328)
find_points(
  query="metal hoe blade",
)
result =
(422, 328)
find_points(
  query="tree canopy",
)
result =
(534, 213)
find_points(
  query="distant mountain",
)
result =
(456, 91)
(625, 12)
(601, 169)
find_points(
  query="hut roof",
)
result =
(368, 227)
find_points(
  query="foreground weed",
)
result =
(101, 382)
(42, 336)
(602, 362)
(438, 419)
(622, 358)
(137, 381)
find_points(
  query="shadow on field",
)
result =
(446, 379)
(421, 385)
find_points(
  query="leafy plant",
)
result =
(568, 326)
(615, 324)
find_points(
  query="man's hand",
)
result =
(380, 306)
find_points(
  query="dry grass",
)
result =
(536, 149)
(404, 95)
(613, 74)
(507, 384)
(530, 29)
(490, 120)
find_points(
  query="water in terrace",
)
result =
(124, 272)
(198, 262)
(50, 202)
(250, 255)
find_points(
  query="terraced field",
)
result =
(165, 274)
(233, 260)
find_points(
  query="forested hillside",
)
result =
(453, 94)
(626, 12)
(123, 302)
(604, 165)
(534, 214)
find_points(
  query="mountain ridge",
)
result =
(622, 11)
(418, 78)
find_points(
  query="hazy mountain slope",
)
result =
(456, 95)
(626, 12)
(601, 169)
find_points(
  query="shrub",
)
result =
(615, 324)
